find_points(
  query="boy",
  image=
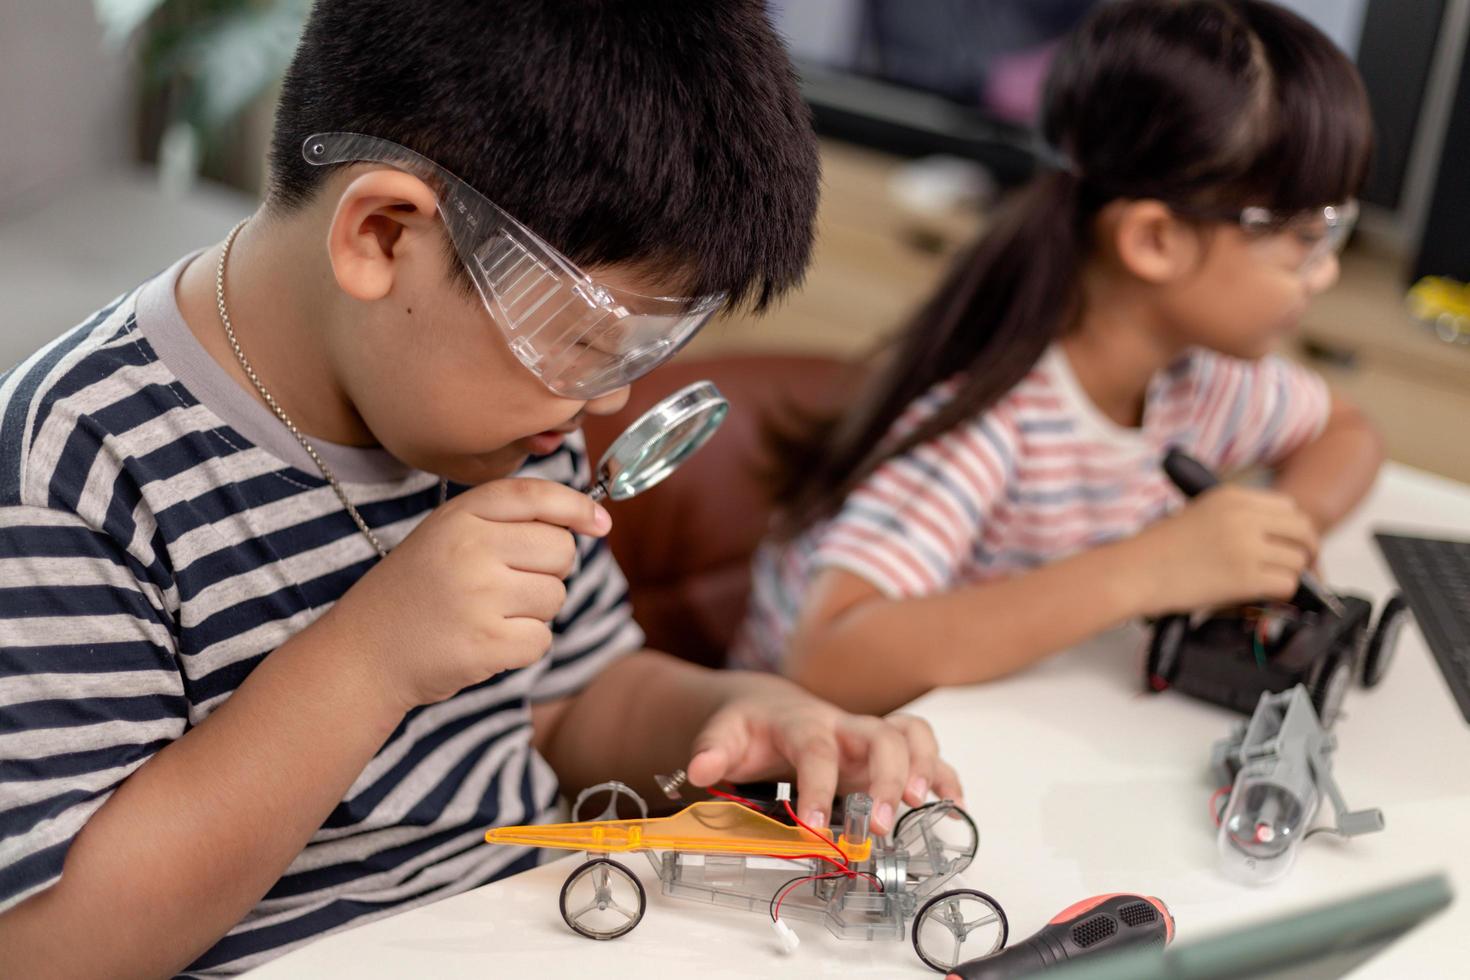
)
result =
(281, 531)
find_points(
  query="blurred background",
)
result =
(135, 130)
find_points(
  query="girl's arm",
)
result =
(866, 652)
(1328, 476)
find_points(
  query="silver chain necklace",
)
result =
(321, 464)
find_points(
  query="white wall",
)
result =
(64, 101)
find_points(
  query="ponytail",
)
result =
(1007, 297)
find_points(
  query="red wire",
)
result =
(776, 915)
(1214, 808)
(841, 858)
(845, 869)
(731, 797)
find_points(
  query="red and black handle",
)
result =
(1103, 922)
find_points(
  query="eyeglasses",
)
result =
(1298, 240)
(581, 337)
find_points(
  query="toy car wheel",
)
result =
(1163, 652)
(1329, 687)
(602, 900)
(609, 794)
(956, 926)
(1385, 640)
(939, 840)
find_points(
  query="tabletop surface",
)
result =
(1080, 785)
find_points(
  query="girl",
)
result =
(997, 495)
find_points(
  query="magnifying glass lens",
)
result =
(660, 441)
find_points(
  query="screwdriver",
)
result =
(1193, 478)
(1103, 923)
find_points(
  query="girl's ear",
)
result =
(380, 214)
(1150, 241)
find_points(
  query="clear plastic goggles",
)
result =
(1302, 240)
(582, 338)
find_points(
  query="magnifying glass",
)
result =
(659, 442)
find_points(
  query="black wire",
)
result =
(777, 893)
(820, 877)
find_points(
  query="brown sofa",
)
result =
(686, 545)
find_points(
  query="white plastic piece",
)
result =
(940, 184)
(788, 939)
(783, 792)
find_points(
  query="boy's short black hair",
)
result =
(663, 133)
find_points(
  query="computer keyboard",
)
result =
(1435, 579)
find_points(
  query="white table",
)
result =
(1080, 785)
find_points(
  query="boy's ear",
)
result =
(380, 213)
(1151, 241)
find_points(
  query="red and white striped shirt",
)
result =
(1041, 475)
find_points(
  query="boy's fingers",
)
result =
(707, 767)
(527, 499)
(723, 740)
(812, 750)
(888, 768)
(947, 784)
(539, 597)
(530, 635)
(534, 546)
(923, 756)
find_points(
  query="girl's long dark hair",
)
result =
(1207, 105)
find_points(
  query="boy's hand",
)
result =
(1231, 544)
(470, 591)
(772, 727)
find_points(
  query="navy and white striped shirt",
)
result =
(160, 533)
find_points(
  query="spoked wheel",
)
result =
(603, 900)
(618, 801)
(939, 840)
(957, 926)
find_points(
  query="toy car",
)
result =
(1231, 658)
(732, 854)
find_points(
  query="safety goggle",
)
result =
(1298, 240)
(1306, 238)
(581, 337)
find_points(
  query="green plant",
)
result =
(204, 61)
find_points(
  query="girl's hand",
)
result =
(1230, 545)
(771, 727)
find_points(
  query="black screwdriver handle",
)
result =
(1188, 474)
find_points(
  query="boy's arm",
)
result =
(190, 841)
(195, 837)
(650, 713)
(1328, 476)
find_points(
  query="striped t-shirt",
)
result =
(1041, 475)
(160, 533)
